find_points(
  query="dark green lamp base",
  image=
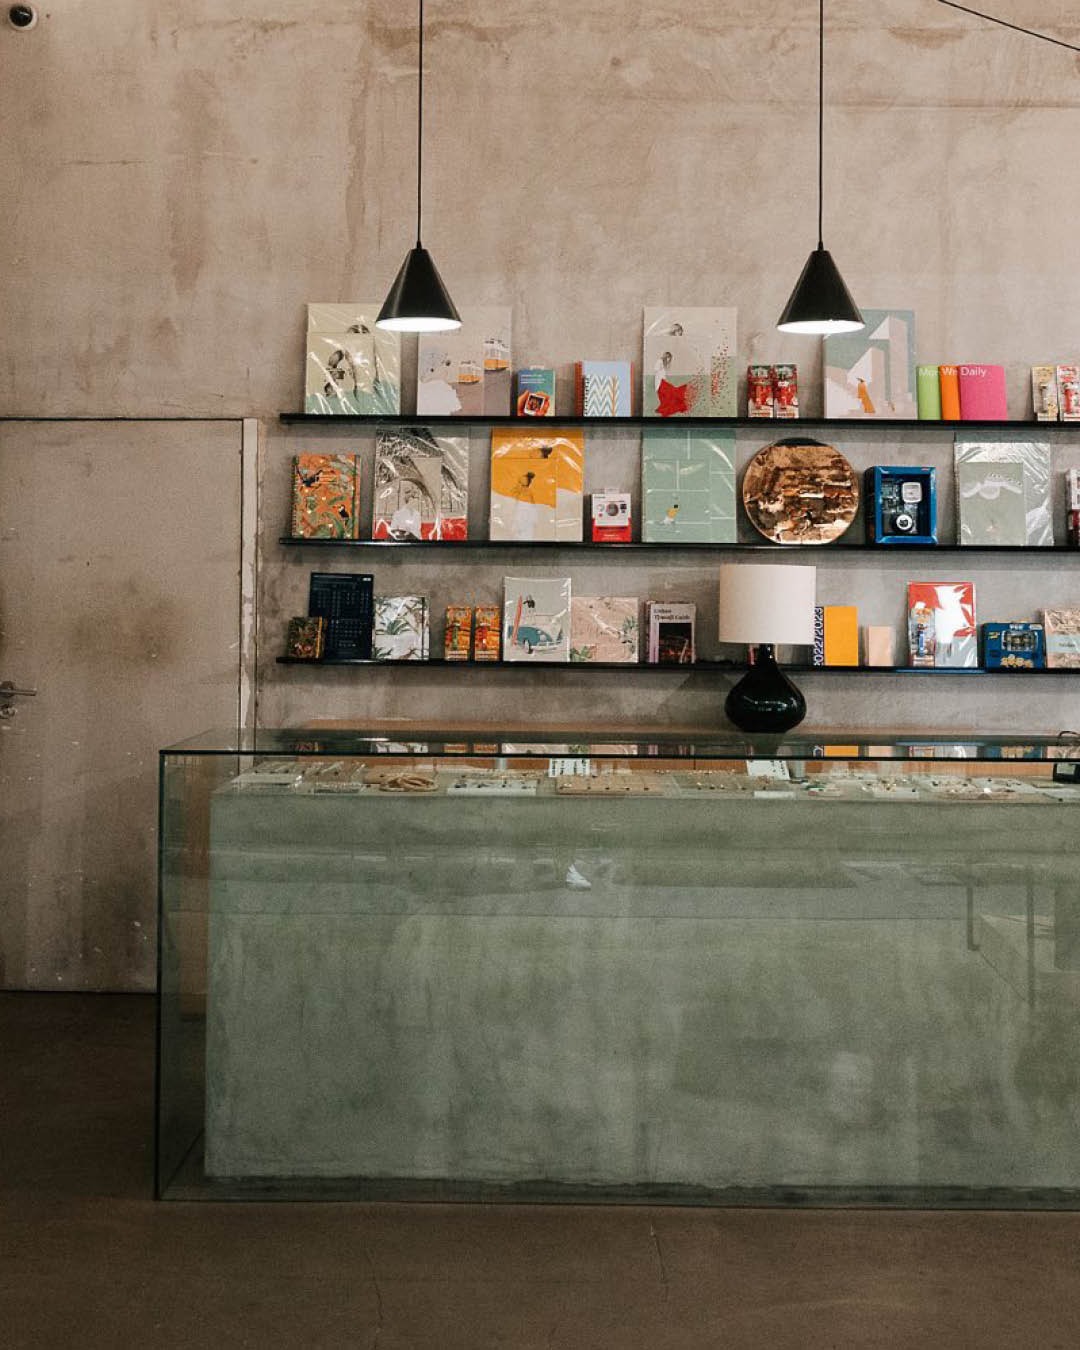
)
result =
(765, 699)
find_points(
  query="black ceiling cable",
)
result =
(990, 18)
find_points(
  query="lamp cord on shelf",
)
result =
(821, 123)
(420, 131)
(1030, 32)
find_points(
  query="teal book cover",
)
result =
(688, 487)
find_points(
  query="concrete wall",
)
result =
(187, 175)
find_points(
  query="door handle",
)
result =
(8, 690)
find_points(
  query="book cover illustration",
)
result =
(466, 372)
(536, 619)
(872, 373)
(305, 639)
(352, 366)
(941, 624)
(325, 497)
(487, 627)
(604, 628)
(928, 393)
(800, 492)
(401, 628)
(1044, 393)
(988, 497)
(458, 634)
(688, 363)
(604, 388)
(421, 485)
(1062, 631)
(982, 394)
(785, 382)
(688, 486)
(671, 634)
(536, 392)
(537, 485)
(611, 518)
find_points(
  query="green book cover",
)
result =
(928, 392)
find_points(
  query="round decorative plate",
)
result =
(800, 492)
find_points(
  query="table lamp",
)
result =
(762, 605)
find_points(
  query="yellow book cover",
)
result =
(537, 485)
(841, 635)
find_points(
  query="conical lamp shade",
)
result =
(820, 302)
(418, 301)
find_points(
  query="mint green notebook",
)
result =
(928, 392)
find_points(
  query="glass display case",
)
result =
(707, 969)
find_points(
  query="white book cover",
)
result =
(688, 362)
(351, 366)
(871, 373)
(467, 372)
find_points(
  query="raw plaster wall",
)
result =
(189, 174)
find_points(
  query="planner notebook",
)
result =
(982, 394)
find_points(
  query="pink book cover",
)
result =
(982, 394)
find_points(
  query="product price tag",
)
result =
(569, 768)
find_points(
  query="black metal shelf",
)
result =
(467, 546)
(776, 426)
(644, 668)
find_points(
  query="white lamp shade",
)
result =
(767, 602)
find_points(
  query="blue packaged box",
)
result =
(901, 504)
(1014, 646)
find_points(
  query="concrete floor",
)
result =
(88, 1260)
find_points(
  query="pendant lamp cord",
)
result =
(1030, 32)
(420, 131)
(821, 123)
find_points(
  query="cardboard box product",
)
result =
(487, 622)
(536, 392)
(879, 644)
(611, 522)
(1013, 646)
(759, 391)
(1044, 393)
(785, 385)
(458, 636)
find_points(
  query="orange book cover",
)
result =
(950, 393)
(841, 635)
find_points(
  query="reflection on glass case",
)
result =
(709, 970)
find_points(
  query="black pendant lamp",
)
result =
(418, 301)
(820, 302)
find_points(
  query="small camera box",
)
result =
(901, 504)
(611, 517)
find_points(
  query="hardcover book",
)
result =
(871, 373)
(611, 523)
(1044, 393)
(352, 366)
(604, 628)
(1062, 630)
(759, 391)
(1003, 492)
(401, 628)
(421, 485)
(949, 381)
(1068, 383)
(688, 486)
(671, 633)
(305, 639)
(941, 624)
(466, 373)
(536, 619)
(487, 627)
(536, 392)
(982, 394)
(688, 367)
(345, 600)
(458, 636)
(841, 635)
(537, 485)
(325, 496)
(928, 393)
(603, 388)
(785, 382)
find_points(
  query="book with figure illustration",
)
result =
(688, 362)
(688, 486)
(351, 366)
(871, 373)
(466, 372)
(536, 619)
(537, 484)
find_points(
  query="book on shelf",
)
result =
(537, 484)
(352, 367)
(466, 372)
(688, 486)
(949, 379)
(928, 393)
(401, 630)
(305, 639)
(421, 485)
(982, 393)
(871, 373)
(1003, 492)
(603, 388)
(688, 363)
(536, 391)
(325, 496)
(941, 624)
(604, 628)
(346, 601)
(1062, 630)
(536, 619)
(671, 633)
